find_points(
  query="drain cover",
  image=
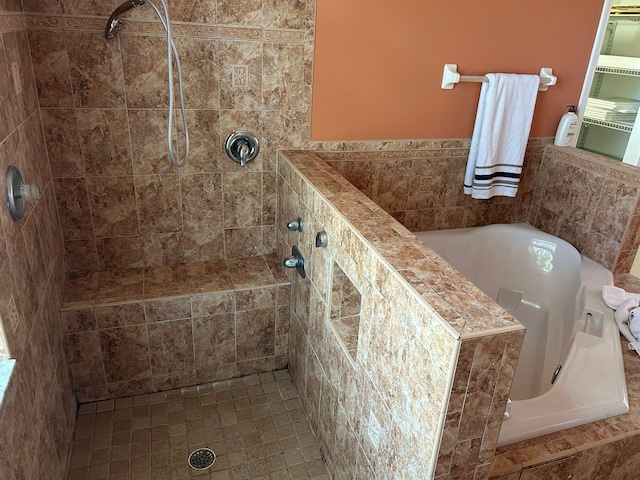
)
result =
(202, 458)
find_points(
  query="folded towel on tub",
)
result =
(627, 313)
(500, 135)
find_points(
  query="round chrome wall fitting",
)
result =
(17, 192)
(322, 239)
(202, 458)
(242, 146)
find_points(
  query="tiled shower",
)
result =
(153, 256)
(84, 119)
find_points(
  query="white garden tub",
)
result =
(570, 370)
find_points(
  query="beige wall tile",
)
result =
(202, 201)
(51, 67)
(63, 143)
(171, 347)
(144, 62)
(96, 70)
(214, 341)
(149, 142)
(76, 7)
(74, 209)
(161, 249)
(240, 58)
(199, 65)
(125, 353)
(104, 140)
(119, 252)
(206, 150)
(287, 14)
(10, 114)
(239, 13)
(113, 206)
(159, 310)
(158, 202)
(85, 358)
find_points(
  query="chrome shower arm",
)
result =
(115, 24)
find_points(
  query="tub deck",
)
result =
(605, 439)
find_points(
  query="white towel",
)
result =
(500, 135)
(626, 313)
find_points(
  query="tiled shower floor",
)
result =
(255, 425)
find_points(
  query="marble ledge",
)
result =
(389, 239)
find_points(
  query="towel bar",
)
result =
(450, 77)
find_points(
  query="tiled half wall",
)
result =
(586, 199)
(397, 408)
(590, 201)
(420, 183)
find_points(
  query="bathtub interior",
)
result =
(536, 279)
(548, 286)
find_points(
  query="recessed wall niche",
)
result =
(345, 310)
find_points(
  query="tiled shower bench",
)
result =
(135, 331)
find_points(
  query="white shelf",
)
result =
(618, 61)
(620, 126)
(631, 72)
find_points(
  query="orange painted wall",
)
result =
(378, 64)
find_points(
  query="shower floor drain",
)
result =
(202, 458)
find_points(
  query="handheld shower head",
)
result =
(114, 24)
(111, 30)
(113, 27)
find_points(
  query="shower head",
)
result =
(115, 24)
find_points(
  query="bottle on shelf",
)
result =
(567, 128)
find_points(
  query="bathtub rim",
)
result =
(547, 418)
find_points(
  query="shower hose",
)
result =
(172, 55)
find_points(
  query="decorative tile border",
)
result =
(12, 21)
(179, 29)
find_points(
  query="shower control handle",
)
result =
(242, 146)
(322, 239)
(295, 225)
(296, 260)
(292, 262)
